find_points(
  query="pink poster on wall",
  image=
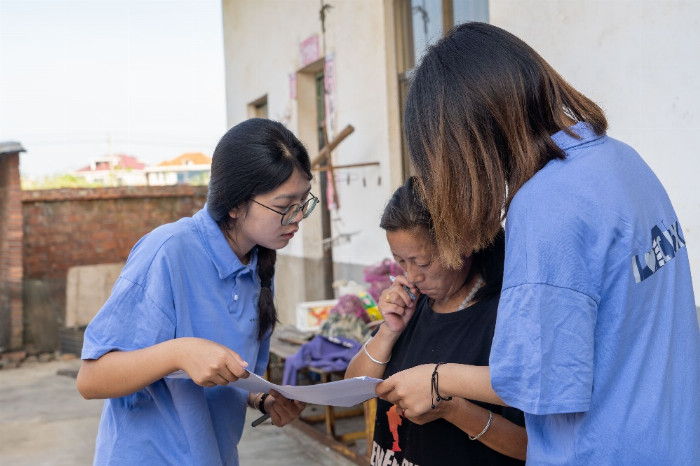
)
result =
(293, 86)
(309, 51)
(329, 87)
(329, 90)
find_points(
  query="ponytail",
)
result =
(267, 313)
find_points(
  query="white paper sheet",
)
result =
(344, 393)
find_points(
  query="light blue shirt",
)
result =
(181, 280)
(597, 335)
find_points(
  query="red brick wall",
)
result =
(67, 227)
(10, 253)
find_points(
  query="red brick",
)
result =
(67, 227)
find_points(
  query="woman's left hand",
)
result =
(282, 410)
(441, 411)
(409, 390)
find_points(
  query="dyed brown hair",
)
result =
(406, 211)
(480, 113)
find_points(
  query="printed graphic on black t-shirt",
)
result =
(460, 337)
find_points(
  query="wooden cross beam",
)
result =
(329, 146)
(324, 162)
(325, 156)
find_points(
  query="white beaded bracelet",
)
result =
(364, 347)
(488, 424)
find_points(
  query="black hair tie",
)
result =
(267, 283)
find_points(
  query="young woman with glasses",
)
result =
(196, 295)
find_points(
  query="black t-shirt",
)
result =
(459, 337)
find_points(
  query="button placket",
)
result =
(235, 298)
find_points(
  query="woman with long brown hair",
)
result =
(597, 338)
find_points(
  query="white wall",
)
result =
(262, 49)
(356, 36)
(640, 60)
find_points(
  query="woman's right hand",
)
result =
(208, 363)
(396, 305)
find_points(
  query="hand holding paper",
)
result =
(343, 393)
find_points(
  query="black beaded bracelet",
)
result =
(435, 396)
(261, 403)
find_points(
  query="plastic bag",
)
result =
(377, 276)
(351, 304)
(346, 326)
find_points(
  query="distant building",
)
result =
(191, 168)
(115, 170)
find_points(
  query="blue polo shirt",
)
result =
(181, 280)
(597, 335)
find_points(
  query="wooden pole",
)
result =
(351, 165)
(325, 152)
(329, 167)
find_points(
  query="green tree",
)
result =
(56, 182)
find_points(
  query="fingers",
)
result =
(239, 360)
(416, 419)
(236, 365)
(211, 381)
(220, 380)
(226, 374)
(289, 406)
(300, 405)
(236, 370)
(395, 300)
(229, 368)
(401, 411)
(397, 297)
(280, 398)
(283, 410)
(384, 389)
(391, 391)
(406, 287)
(209, 363)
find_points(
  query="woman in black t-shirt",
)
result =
(434, 315)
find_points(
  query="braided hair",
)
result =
(254, 158)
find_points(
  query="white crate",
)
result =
(312, 314)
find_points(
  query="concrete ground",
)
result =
(44, 421)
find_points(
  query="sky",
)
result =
(83, 79)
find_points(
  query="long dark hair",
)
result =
(253, 158)
(480, 112)
(407, 211)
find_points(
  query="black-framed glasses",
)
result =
(291, 212)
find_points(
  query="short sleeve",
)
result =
(542, 354)
(129, 320)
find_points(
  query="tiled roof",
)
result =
(11, 147)
(191, 158)
(127, 161)
(114, 162)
